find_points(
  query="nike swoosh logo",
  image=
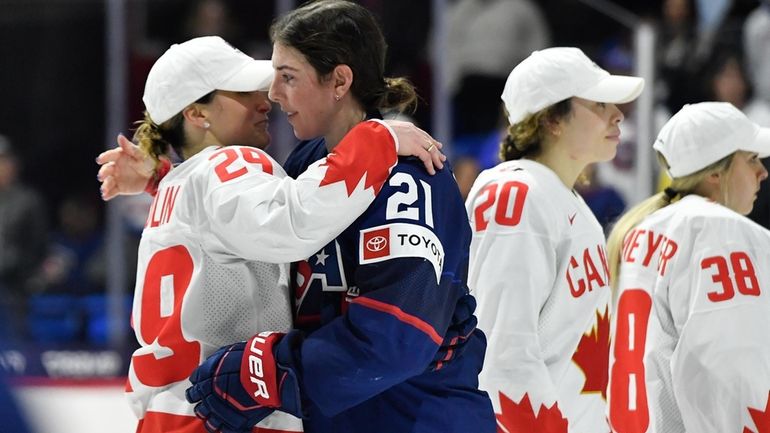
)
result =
(572, 218)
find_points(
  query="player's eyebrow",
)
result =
(285, 67)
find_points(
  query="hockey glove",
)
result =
(462, 326)
(241, 384)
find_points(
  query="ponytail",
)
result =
(399, 94)
(525, 138)
(150, 139)
(680, 187)
(626, 223)
(156, 140)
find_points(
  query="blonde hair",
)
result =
(525, 138)
(680, 187)
(156, 140)
(150, 138)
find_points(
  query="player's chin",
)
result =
(260, 140)
(264, 140)
(307, 130)
(747, 209)
(608, 153)
(749, 206)
(302, 134)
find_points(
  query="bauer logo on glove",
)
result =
(241, 384)
(253, 376)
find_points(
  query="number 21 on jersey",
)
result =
(401, 204)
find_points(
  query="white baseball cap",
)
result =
(190, 70)
(554, 74)
(702, 134)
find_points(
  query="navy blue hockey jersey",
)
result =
(377, 302)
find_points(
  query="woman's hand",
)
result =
(413, 141)
(125, 170)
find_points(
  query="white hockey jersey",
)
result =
(539, 272)
(213, 258)
(691, 349)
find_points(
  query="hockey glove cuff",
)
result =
(241, 384)
(460, 329)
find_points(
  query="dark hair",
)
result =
(155, 140)
(525, 137)
(338, 32)
(717, 63)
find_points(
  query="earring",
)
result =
(206, 124)
(336, 97)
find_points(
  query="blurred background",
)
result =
(72, 78)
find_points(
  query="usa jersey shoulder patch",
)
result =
(397, 240)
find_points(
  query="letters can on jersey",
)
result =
(401, 240)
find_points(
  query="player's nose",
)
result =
(263, 103)
(762, 173)
(617, 114)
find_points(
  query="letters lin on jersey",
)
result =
(175, 235)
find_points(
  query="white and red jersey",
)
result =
(692, 336)
(539, 272)
(212, 266)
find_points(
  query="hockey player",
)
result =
(378, 301)
(538, 266)
(223, 221)
(691, 347)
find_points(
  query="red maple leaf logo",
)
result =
(362, 152)
(521, 418)
(761, 418)
(593, 355)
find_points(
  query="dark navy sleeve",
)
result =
(304, 154)
(412, 246)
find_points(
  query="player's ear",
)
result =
(551, 126)
(195, 114)
(342, 76)
(711, 185)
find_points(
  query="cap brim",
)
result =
(614, 89)
(256, 75)
(761, 143)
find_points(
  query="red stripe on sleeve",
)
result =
(402, 316)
